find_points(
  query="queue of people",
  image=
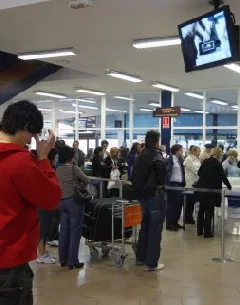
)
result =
(48, 184)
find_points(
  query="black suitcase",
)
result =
(98, 222)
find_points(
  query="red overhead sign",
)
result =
(166, 122)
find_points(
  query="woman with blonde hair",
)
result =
(211, 176)
(230, 165)
(114, 171)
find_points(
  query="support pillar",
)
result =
(166, 98)
(103, 117)
(131, 114)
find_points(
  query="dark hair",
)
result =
(133, 149)
(175, 148)
(21, 116)
(152, 138)
(104, 142)
(97, 150)
(59, 144)
(65, 154)
(52, 155)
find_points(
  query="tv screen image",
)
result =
(208, 40)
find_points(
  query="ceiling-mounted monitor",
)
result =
(210, 40)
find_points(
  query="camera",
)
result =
(77, 4)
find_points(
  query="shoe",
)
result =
(208, 236)
(64, 265)
(200, 234)
(159, 267)
(53, 243)
(190, 222)
(53, 256)
(172, 228)
(178, 226)
(77, 266)
(139, 263)
(46, 259)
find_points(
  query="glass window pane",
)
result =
(220, 105)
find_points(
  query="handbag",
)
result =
(115, 175)
(81, 194)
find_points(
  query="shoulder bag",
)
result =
(81, 194)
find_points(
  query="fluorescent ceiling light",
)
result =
(90, 91)
(185, 109)
(128, 77)
(46, 54)
(218, 102)
(196, 95)
(124, 98)
(45, 109)
(165, 87)
(146, 109)
(233, 67)
(234, 107)
(50, 94)
(86, 101)
(69, 111)
(115, 110)
(155, 105)
(156, 42)
(200, 111)
(85, 106)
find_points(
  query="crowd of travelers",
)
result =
(45, 186)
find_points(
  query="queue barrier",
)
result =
(185, 192)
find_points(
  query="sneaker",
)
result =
(50, 255)
(53, 243)
(46, 259)
(159, 267)
(139, 263)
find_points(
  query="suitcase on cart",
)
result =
(98, 221)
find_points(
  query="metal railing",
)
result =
(185, 191)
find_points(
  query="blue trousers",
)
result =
(71, 220)
(150, 235)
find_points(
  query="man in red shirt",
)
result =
(25, 186)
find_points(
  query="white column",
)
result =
(172, 120)
(77, 121)
(131, 114)
(160, 105)
(120, 133)
(204, 116)
(103, 117)
(238, 124)
(53, 118)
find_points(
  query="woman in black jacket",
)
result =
(112, 162)
(211, 176)
(99, 169)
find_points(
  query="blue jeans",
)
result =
(71, 219)
(150, 235)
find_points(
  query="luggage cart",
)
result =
(130, 215)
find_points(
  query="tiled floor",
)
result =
(190, 277)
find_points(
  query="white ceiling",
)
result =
(103, 35)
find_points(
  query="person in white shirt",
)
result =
(176, 178)
(192, 165)
(105, 145)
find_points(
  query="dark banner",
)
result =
(167, 112)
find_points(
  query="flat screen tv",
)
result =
(210, 40)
